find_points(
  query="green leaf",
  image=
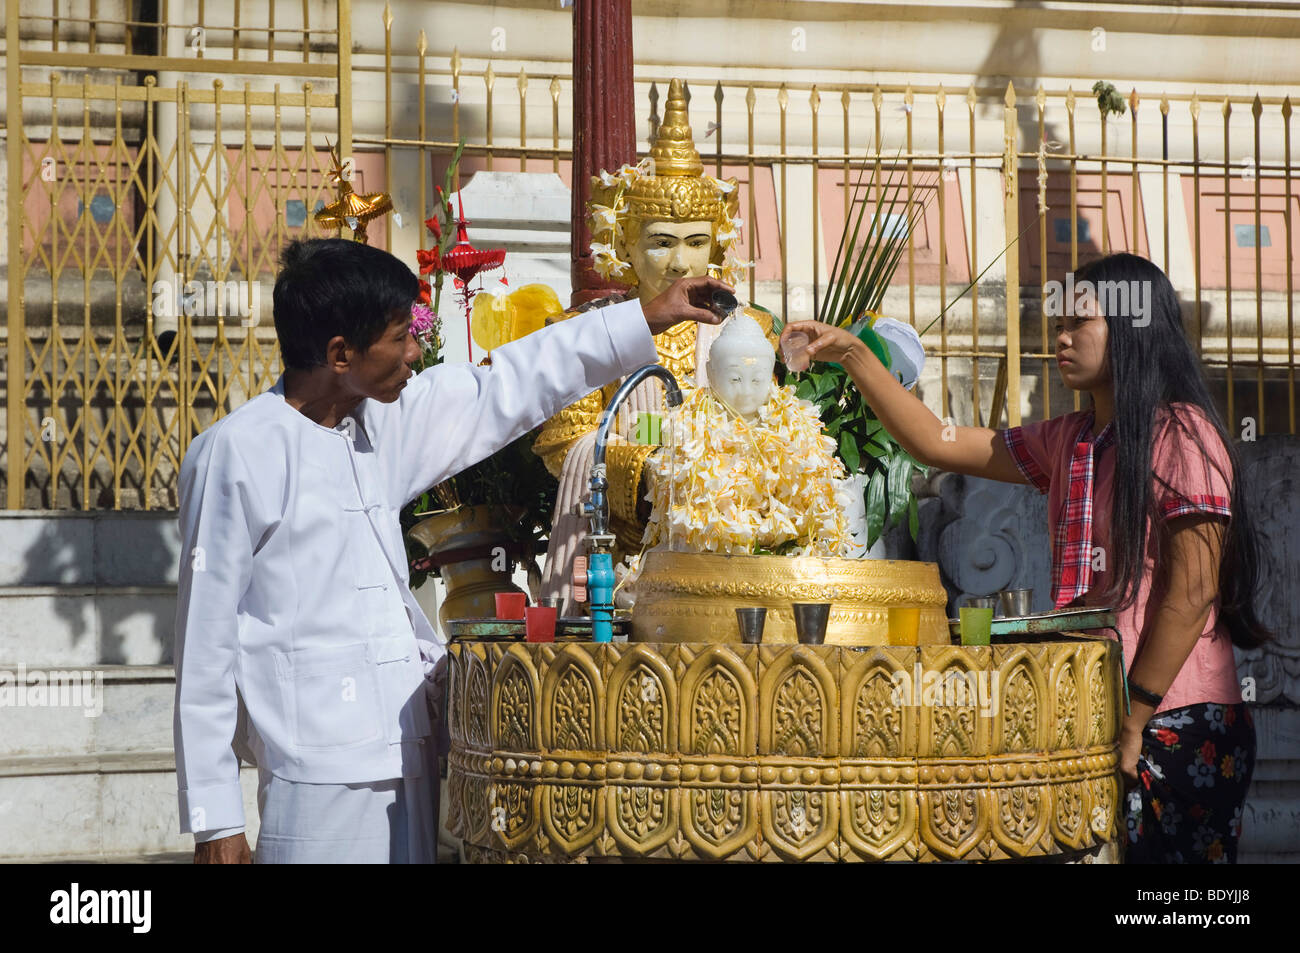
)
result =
(804, 390)
(778, 323)
(872, 427)
(913, 519)
(900, 484)
(875, 450)
(849, 452)
(875, 506)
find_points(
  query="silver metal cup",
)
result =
(982, 602)
(751, 624)
(1014, 603)
(723, 303)
(810, 620)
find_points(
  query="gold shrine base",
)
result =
(693, 597)
(707, 752)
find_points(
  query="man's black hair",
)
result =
(331, 286)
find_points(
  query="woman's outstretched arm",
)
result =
(975, 451)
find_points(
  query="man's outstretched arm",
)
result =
(453, 416)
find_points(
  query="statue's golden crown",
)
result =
(673, 186)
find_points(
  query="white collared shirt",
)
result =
(294, 593)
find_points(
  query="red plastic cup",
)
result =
(539, 624)
(510, 605)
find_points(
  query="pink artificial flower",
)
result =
(422, 318)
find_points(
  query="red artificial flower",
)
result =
(1207, 752)
(429, 260)
(435, 226)
(426, 293)
(1166, 736)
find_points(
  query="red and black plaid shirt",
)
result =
(1072, 547)
(1072, 544)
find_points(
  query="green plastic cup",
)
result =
(976, 625)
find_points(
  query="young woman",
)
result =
(1145, 507)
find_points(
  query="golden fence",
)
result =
(134, 252)
(1228, 295)
(122, 197)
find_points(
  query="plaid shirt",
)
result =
(1073, 540)
(1072, 547)
(1190, 472)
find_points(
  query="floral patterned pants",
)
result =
(1193, 774)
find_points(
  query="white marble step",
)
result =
(97, 807)
(107, 711)
(80, 625)
(98, 787)
(99, 547)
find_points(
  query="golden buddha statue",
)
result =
(652, 224)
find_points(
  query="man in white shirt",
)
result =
(298, 642)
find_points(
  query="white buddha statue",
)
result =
(740, 367)
(747, 468)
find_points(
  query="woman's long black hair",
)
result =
(1153, 364)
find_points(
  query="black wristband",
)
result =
(1137, 691)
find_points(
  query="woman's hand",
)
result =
(1130, 748)
(825, 341)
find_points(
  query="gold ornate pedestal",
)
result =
(693, 597)
(706, 752)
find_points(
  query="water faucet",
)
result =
(595, 573)
(597, 507)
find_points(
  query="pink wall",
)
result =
(927, 239)
(1272, 220)
(1119, 222)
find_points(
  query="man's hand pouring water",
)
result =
(687, 299)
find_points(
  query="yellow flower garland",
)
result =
(737, 487)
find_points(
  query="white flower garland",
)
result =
(738, 487)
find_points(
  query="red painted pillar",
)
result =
(604, 121)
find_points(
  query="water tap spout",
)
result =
(597, 507)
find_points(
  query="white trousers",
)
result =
(382, 822)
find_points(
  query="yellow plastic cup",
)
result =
(976, 625)
(904, 624)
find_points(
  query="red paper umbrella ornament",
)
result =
(466, 262)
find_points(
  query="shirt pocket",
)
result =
(331, 696)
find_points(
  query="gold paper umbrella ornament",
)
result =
(352, 209)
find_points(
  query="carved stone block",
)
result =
(798, 701)
(953, 820)
(1021, 817)
(951, 722)
(1018, 698)
(878, 812)
(879, 704)
(800, 823)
